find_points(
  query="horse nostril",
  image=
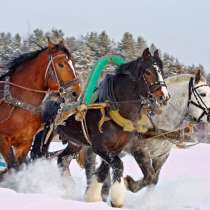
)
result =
(161, 98)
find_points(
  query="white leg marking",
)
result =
(93, 192)
(66, 172)
(118, 191)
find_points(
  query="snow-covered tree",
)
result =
(141, 44)
(104, 43)
(128, 46)
(37, 39)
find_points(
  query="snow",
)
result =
(184, 185)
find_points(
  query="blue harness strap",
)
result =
(3, 165)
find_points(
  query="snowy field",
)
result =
(184, 185)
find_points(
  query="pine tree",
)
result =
(72, 43)
(37, 40)
(56, 35)
(141, 45)
(6, 51)
(127, 46)
(104, 43)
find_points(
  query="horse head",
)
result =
(60, 74)
(151, 69)
(146, 80)
(199, 98)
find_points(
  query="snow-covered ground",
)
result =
(184, 185)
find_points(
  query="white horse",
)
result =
(190, 100)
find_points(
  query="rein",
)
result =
(26, 88)
(62, 85)
(8, 98)
(202, 105)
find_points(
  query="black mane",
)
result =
(15, 62)
(127, 66)
(136, 67)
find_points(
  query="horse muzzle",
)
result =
(163, 100)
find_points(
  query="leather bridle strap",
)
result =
(51, 63)
(62, 85)
(199, 101)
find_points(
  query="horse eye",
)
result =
(203, 94)
(61, 65)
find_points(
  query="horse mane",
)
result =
(127, 66)
(135, 64)
(25, 57)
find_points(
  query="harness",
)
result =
(51, 72)
(199, 101)
(106, 93)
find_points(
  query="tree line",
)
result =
(87, 49)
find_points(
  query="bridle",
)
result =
(51, 72)
(199, 101)
(149, 100)
(152, 87)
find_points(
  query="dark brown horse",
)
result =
(135, 84)
(31, 77)
(190, 102)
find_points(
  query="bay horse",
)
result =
(128, 91)
(31, 77)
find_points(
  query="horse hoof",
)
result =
(155, 180)
(93, 192)
(116, 206)
(129, 182)
(118, 191)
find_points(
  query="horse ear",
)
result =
(146, 54)
(156, 54)
(158, 59)
(50, 44)
(198, 76)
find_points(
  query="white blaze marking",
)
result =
(163, 88)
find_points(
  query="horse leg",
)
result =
(157, 165)
(90, 164)
(36, 147)
(22, 150)
(39, 148)
(118, 188)
(8, 153)
(95, 184)
(106, 187)
(65, 157)
(144, 161)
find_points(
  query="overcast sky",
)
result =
(179, 27)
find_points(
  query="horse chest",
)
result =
(118, 141)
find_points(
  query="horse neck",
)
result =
(125, 95)
(31, 75)
(174, 112)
